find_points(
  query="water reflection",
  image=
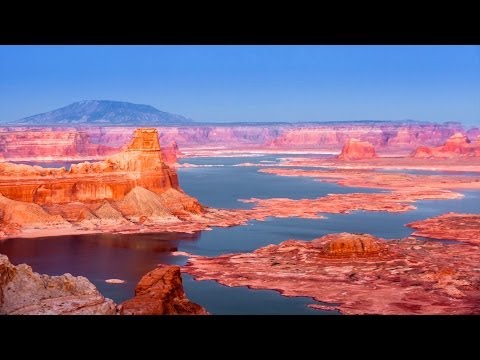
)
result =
(99, 256)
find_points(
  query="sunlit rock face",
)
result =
(131, 185)
(357, 150)
(140, 164)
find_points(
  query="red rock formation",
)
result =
(47, 143)
(357, 150)
(16, 215)
(345, 244)
(23, 292)
(160, 292)
(379, 135)
(394, 277)
(24, 142)
(134, 185)
(423, 152)
(450, 226)
(170, 153)
(458, 145)
(140, 165)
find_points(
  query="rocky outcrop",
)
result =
(450, 226)
(405, 276)
(458, 145)
(357, 150)
(133, 185)
(139, 165)
(160, 292)
(346, 244)
(24, 292)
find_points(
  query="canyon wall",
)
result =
(85, 142)
(49, 143)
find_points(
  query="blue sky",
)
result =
(249, 83)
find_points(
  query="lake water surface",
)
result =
(129, 257)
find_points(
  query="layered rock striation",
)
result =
(27, 142)
(131, 185)
(139, 165)
(357, 273)
(450, 226)
(50, 143)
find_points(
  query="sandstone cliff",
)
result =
(133, 185)
(49, 143)
(22, 142)
(139, 165)
(356, 150)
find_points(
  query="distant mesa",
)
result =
(103, 113)
(457, 145)
(356, 150)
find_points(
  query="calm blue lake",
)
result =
(129, 257)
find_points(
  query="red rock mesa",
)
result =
(458, 145)
(357, 150)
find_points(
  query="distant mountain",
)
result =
(104, 113)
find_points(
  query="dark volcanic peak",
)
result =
(104, 113)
